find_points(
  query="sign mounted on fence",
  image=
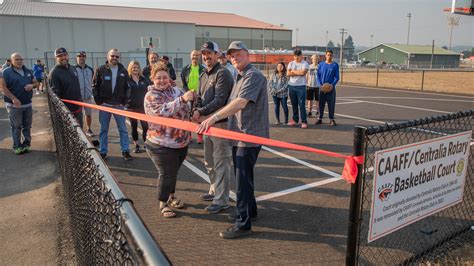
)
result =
(417, 180)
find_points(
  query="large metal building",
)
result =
(411, 56)
(33, 27)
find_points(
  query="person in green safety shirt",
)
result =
(190, 78)
(190, 74)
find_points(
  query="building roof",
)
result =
(36, 8)
(415, 49)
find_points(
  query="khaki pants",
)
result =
(218, 162)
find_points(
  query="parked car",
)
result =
(371, 65)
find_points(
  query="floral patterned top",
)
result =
(278, 86)
(166, 103)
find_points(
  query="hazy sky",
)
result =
(385, 19)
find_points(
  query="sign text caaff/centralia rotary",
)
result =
(417, 180)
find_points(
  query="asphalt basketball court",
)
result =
(303, 203)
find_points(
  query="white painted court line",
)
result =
(335, 176)
(204, 176)
(297, 189)
(407, 107)
(314, 167)
(407, 91)
(346, 103)
(403, 98)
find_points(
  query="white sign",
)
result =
(417, 180)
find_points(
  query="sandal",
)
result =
(175, 203)
(167, 212)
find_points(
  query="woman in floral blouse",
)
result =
(278, 87)
(167, 146)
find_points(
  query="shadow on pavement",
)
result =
(22, 173)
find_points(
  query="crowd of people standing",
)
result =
(224, 91)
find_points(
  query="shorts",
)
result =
(312, 93)
(88, 110)
(39, 80)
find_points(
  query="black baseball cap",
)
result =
(60, 51)
(81, 53)
(297, 52)
(210, 46)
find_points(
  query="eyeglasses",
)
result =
(114, 56)
(18, 59)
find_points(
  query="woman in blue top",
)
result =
(278, 87)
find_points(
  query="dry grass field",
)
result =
(434, 81)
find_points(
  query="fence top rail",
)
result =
(417, 122)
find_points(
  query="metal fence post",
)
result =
(356, 194)
(342, 74)
(377, 80)
(422, 79)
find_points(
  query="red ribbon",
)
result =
(350, 166)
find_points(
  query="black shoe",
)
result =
(137, 149)
(207, 197)
(318, 122)
(333, 123)
(232, 233)
(309, 114)
(103, 155)
(126, 156)
(215, 208)
(232, 217)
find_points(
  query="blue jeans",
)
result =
(20, 123)
(284, 105)
(330, 98)
(104, 119)
(244, 163)
(297, 97)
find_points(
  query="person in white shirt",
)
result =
(297, 70)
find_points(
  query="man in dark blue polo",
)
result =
(17, 84)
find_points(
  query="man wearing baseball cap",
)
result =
(296, 72)
(225, 62)
(215, 85)
(65, 83)
(247, 112)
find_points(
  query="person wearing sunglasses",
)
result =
(110, 88)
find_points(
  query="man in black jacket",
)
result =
(215, 86)
(64, 82)
(110, 88)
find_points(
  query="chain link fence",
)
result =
(105, 227)
(421, 240)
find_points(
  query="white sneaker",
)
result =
(89, 133)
